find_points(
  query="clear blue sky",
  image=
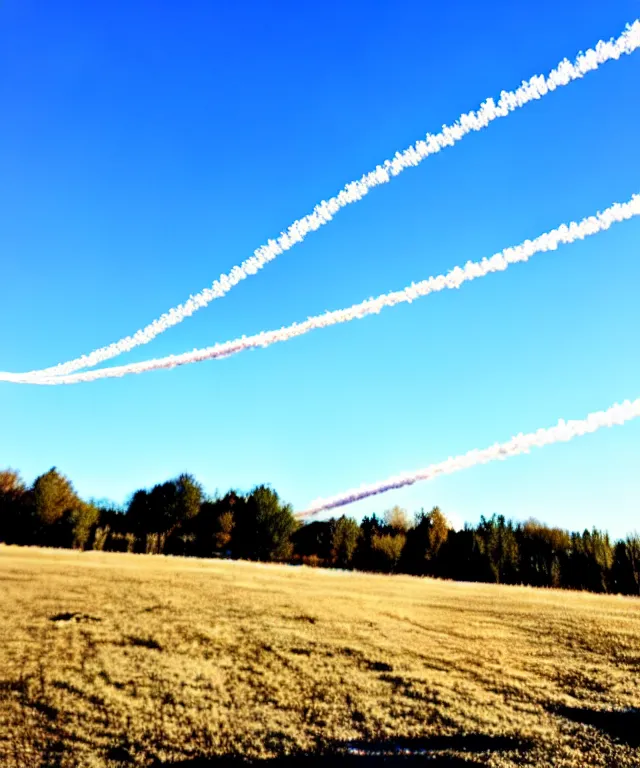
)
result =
(145, 148)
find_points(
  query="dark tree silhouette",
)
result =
(175, 517)
(263, 527)
(425, 540)
(625, 576)
(16, 509)
(314, 540)
(365, 558)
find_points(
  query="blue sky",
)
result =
(145, 148)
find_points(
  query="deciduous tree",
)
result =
(388, 547)
(344, 541)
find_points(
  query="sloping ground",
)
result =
(109, 659)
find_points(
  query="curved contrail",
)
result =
(562, 432)
(454, 279)
(533, 89)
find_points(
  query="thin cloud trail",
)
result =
(535, 88)
(472, 270)
(562, 432)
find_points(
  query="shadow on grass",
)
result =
(622, 725)
(367, 754)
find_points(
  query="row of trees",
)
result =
(177, 518)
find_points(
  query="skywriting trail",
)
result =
(549, 241)
(535, 88)
(562, 432)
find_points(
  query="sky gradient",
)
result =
(144, 150)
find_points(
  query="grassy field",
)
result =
(110, 659)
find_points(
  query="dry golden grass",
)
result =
(110, 659)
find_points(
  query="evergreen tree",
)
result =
(264, 527)
(626, 566)
(365, 558)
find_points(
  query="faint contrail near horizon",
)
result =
(548, 241)
(562, 432)
(533, 89)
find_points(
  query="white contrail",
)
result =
(562, 432)
(535, 88)
(454, 279)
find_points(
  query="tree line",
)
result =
(178, 518)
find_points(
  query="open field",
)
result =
(113, 659)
